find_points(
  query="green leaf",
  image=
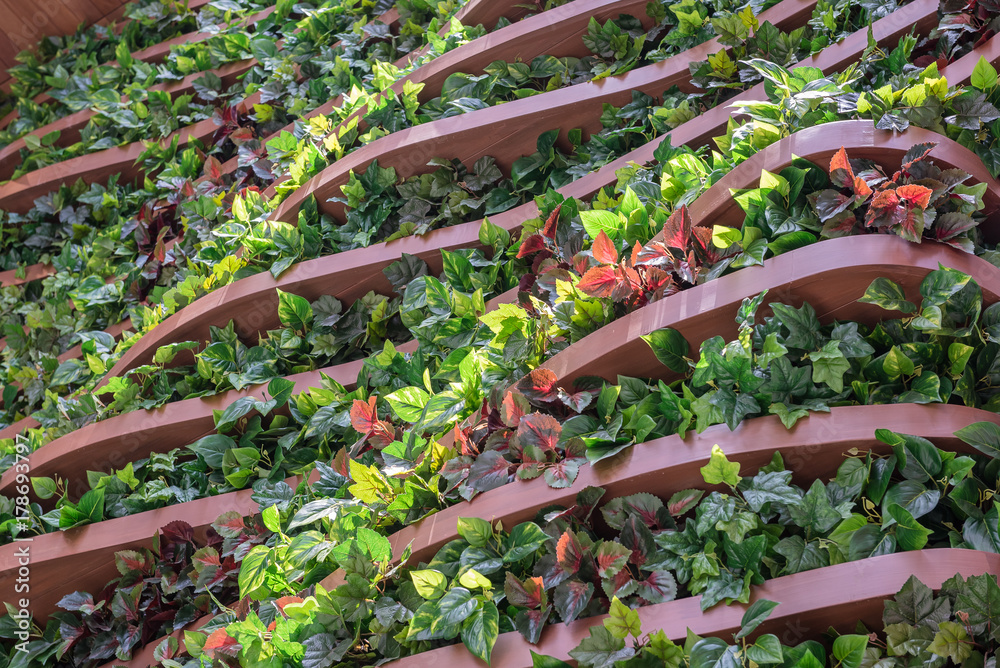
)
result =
(982, 533)
(720, 470)
(767, 649)
(408, 403)
(430, 584)
(984, 76)
(253, 570)
(622, 621)
(980, 598)
(456, 606)
(896, 364)
(45, 488)
(815, 511)
(601, 649)
(983, 436)
(473, 579)
(788, 417)
(481, 629)
(542, 661)
(952, 641)
(849, 650)
(524, 539)
(941, 284)
(294, 311)
(670, 348)
(713, 653)
(910, 534)
(883, 292)
(474, 530)
(830, 365)
(758, 611)
(918, 458)
(595, 221)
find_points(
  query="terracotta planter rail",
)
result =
(69, 126)
(252, 302)
(802, 275)
(112, 443)
(829, 60)
(19, 195)
(809, 603)
(557, 32)
(813, 449)
(510, 130)
(816, 446)
(716, 206)
(154, 55)
(82, 559)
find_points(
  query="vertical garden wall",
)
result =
(611, 332)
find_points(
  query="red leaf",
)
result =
(364, 416)
(950, 225)
(683, 501)
(539, 385)
(550, 224)
(513, 408)
(677, 229)
(539, 430)
(599, 281)
(577, 401)
(636, 249)
(230, 524)
(213, 168)
(654, 254)
(611, 558)
(339, 463)
(207, 556)
(569, 552)
(841, 174)
(527, 594)
(658, 587)
(242, 135)
(489, 471)
(178, 531)
(915, 196)
(222, 643)
(604, 250)
(530, 245)
(572, 597)
(861, 189)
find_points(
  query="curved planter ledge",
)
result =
(809, 603)
(556, 32)
(69, 126)
(113, 442)
(252, 302)
(116, 441)
(19, 195)
(510, 130)
(153, 54)
(852, 426)
(813, 449)
(716, 206)
(830, 59)
(32, 272)
(157, 53)
(802, 275)
(82, 559)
